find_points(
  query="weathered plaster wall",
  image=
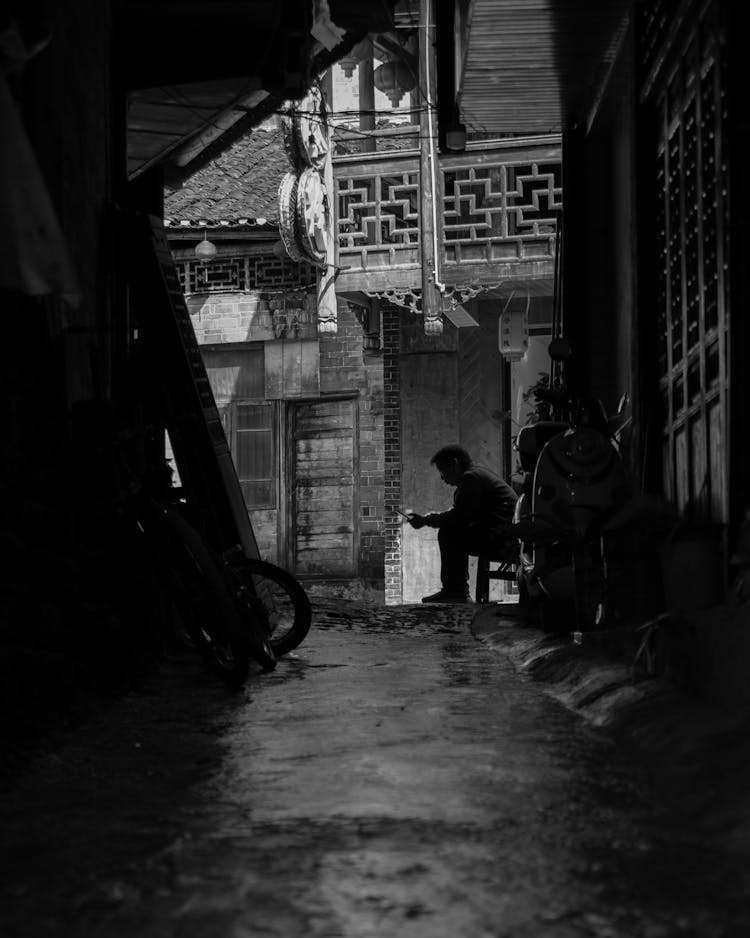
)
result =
(429, 420)
(481, 371)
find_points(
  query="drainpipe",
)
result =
(432, 287)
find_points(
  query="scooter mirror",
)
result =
(559, 350)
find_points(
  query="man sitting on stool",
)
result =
(480, 522)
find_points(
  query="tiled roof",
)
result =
(237, 187)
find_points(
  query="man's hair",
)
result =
(448, 453)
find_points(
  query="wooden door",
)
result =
(324, 488)
(692, 232)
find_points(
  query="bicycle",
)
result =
(194, 577)
(273, 597)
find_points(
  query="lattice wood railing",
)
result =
(499, 207)
(499, 204)
(377, 214)
(244, 273)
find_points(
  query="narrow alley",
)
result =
(361, 290)
(395, 777)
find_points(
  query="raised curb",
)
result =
(696, 755)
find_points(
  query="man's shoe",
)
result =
(444, 596)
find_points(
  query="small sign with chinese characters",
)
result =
(513, 328)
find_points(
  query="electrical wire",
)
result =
(315, 117)
(407, 127)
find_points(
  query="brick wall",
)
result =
(391, 317)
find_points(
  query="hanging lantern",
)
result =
(205, 250)
(394, 79)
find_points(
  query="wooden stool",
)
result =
(505, 570)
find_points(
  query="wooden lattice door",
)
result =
(692, 234)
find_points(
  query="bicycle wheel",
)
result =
(276, 599)
(202, 594)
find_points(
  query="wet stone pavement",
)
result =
(394, 778)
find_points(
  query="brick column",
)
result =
(392, 450)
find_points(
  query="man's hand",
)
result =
(417, 521)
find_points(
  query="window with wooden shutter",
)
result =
(238, 378)
(254, 451)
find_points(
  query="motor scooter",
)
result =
(574, 483)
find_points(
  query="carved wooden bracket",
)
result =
(409, 298)
(367, 310)
(457, 294)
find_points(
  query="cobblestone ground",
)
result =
(395, 778)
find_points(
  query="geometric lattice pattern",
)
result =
(692, 313)
(265, 273)
(501, 207)
(501, 211)
(378, 217)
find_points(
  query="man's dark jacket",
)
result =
(482, 502)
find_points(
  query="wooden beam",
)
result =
(380, 280)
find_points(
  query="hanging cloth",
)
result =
(34, 258)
